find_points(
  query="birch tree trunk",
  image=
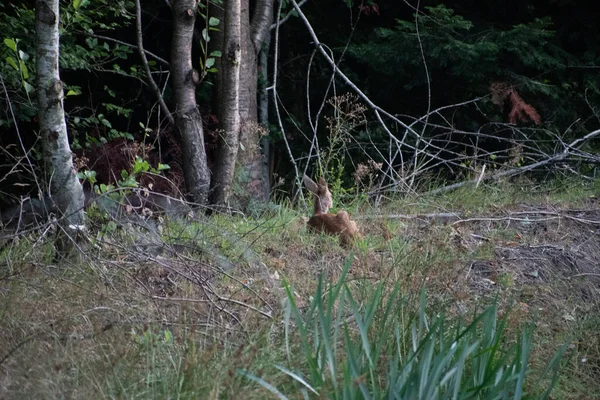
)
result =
(250, 163)
(187, 117)
(65, 189)
(228, 140)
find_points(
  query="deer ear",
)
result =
(322, 182)
(310, 184)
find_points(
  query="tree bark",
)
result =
(250, 159)
(261, 23)
(187, 117)
(228, 140)
(263, 111)
(65, 189)
(250, 162)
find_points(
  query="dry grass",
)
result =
(175, 308)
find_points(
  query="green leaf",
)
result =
(87, 175)
(129, 182)
(212, 70)
(76, 4)
(28, 87)
(140, 166)
(215, 53)
(72, 92)
(11, 43)
(205, 35)
(110, 92)
(12, 62)
(24, 69)
(212, 21)
(210, 62)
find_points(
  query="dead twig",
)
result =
(153, 85)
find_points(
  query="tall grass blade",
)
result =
(262, 383)
(522, 361)
(362, 328)
(355, 370)
(554, 366)
(297, 378)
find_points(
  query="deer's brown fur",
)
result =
(339, 224)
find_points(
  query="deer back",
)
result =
(338, 224)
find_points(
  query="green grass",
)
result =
(381, 347)
(257, 307)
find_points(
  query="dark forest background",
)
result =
(546, 52)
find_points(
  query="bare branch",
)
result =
(276, 102)
(287, 16)
(516, 171)
(133, 46)
(347, 80)
(25, 152)
(155, 89)
(428, 79)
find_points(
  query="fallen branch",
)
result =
(520, 216)
(431, 216)
(516, 171)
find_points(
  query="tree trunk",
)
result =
(228, 140)
(65, 189)
(250, 163)
(263, 110)
(187, 117)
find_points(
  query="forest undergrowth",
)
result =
(445, 296)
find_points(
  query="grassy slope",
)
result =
(179, 308)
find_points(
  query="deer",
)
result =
(338, 224)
